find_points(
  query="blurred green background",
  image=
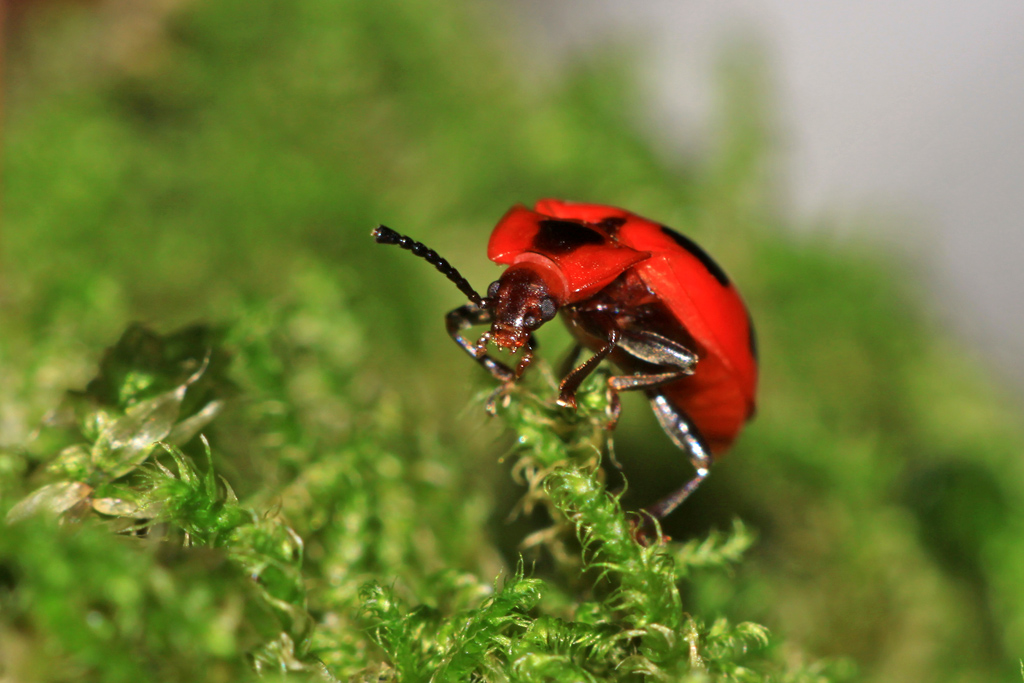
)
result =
(166, 162)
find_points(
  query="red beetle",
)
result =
(631, 290)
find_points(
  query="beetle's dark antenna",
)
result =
(385, 235)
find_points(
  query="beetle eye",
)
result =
(530, 322)
(547, 308)
(492, 290)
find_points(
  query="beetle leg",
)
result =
(500, 394)
(571, 382)
(684, 435)
(467, 316)
(614, 408)
(677, 361)
(575, 376)
(649, 347)
(461, 319)
(569, 362)
(619, 383)
(658, 350)
(641, 381)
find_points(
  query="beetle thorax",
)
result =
(523, 299)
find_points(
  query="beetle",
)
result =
(634, 292)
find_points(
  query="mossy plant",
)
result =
(323, 571)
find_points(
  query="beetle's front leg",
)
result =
(461, 319)
(467, 316)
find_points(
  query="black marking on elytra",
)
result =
(698, 253)
(560, 237)
(612, 224)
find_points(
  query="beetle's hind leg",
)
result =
(668, 361)
(684, 435)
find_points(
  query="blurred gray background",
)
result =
(904, 120)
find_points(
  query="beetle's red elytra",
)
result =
(631, 290)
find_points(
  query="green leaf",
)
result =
(126, 443)
(52, 498)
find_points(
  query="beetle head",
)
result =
(520, 301)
